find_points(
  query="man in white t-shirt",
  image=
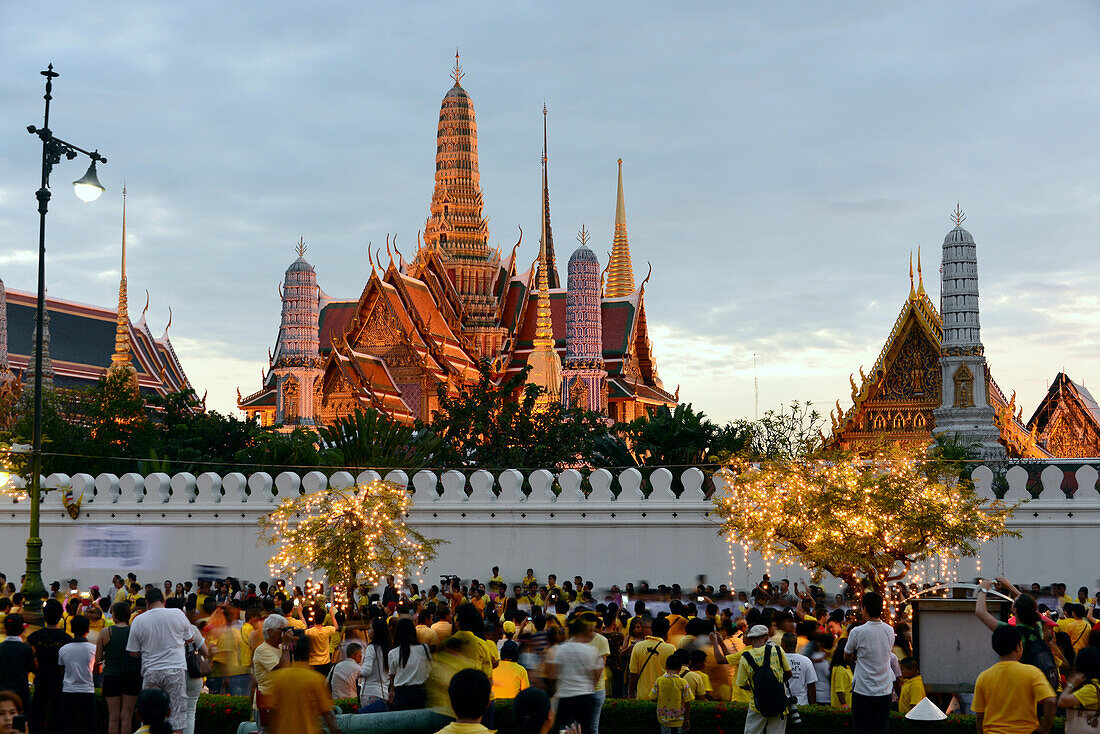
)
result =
(344, 678)
(78, 712)
(870, 646)
(577, 667)
(158, 637)
(803, 680)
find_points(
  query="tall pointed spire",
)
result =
(912, 288)
(544, 360)
(920, 276)
(547, 232)
(620, 276)
(120, 360)
(5, 369)
(47, 363)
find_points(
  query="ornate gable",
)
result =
(1067, 421)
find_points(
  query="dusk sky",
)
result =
(781, 161)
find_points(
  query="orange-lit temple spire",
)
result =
(620, 272)
(120, 360)
(457, 228)
(544, 360)
(551, 261)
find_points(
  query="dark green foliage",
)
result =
(371, 440)
(484, 426)
(680, 437)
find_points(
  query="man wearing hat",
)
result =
(759, 648)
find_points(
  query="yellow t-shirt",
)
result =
(246, 649)
(509, 679)
(264, 659)
(912, 692)
(699, 682)
(778, 661)
(1086, 695)
(840, 681)
(528, 580)
(319, 652)
(483, 652)
(295, 623)
(1078, 631)
(301, 696)
(425, 635)
(648, 673)
(672, 694)
(737, 693)
(1008, 695)
(459, 727)
(602, 649)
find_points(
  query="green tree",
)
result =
(858, 518)
(788, 433)
(372, 440)
(486, 426)
(666, 437)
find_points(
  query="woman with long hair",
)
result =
(374, 672)
(409, 664)
(840, 677)
(1082, 689)
(903, 640)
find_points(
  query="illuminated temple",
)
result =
(932, 378)
(426, 324)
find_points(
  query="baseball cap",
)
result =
(509, 627)
(756, 631)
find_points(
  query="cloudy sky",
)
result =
(781, 161)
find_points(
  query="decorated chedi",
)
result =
(297, 364)
(544, 361)
(620, 271)
(965, 411)
(120, 360)
(584, 378)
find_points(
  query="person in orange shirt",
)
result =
(300, 697)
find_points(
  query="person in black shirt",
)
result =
(47, 683)
(16, 660)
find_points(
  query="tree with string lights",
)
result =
(354, 535)
(864, 519)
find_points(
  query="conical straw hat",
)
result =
(925, 711)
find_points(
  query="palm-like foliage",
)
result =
(372, 440)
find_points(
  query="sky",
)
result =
(781, 162)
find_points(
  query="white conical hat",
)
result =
(926, 711)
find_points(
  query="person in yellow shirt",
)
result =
(1074, 625)
(673, 695)
(912, 686)
(1082, 689)
(468, 623)
(509, 678)
(647, 659)
(468, 692)
(760, 654)
(497, 587)
(697, 679)
(300, 697)
(1008, 695)
(530, 579)
(840, 677)
(319, 635)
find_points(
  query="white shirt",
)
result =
(416, 669)
(345, 679)
(575, 664)
(872, 643)
(823, 686)
(373, 674)
(77, 658)
(802, 674)
(159, 635)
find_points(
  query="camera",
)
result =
(793, 717)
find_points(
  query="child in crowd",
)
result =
(699, 681)
(840, 677)
(912, 687)
(673, 696)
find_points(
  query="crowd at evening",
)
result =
(557, 647)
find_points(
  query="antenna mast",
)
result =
(756, 390)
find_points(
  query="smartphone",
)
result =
(19, 723)
(700, 598)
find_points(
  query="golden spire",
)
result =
(544, 360)
(300, 248)
(457, 72)
(957, 216)
(912, 290)
(120, 360)
(920, 277)
(620, 277)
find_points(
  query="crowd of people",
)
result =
(554, 649)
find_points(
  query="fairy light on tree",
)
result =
(861, 519)
(354, 536)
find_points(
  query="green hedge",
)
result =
(624, 716)
(222, 714)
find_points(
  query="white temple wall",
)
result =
(603, 537)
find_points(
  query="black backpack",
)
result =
(1037, 653)
(768, 694)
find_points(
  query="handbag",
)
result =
(198, 664)
(1084, 721)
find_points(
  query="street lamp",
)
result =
(88, 188)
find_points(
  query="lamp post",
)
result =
(87, 188)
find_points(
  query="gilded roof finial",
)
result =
(920, 276)
(300, 248)
(912, 289)
(957, 216)
(120, 360)
(457, 72)
(583, 236)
